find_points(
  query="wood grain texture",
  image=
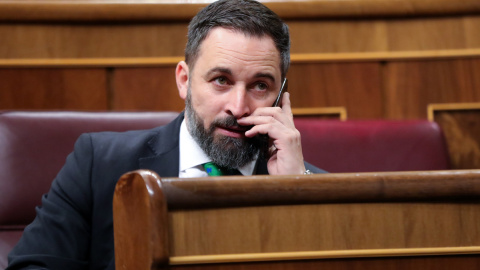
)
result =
(412, 85)
(338, 36)
(322, 188)
(296, 58)
(472, 24)
(130, 37)
(151, 89)
(415, 263)
(179, 10)
(45, 89)
(371, 38)
(461, 125)
(323, 227)
(316, 255)
(426, 34)
(356, 86)
(140, 242)
(92, 40)
(339, 113)
(440, 220)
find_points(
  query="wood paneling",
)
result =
(151, 89)
(337, 113)
(92, 40)
(370, 88)
(338, 36)
(419, 263)
(323, 227)
(260, 220)
(460, 123)
(472, 24)
(356, 86)
(53, 89)
(173, 10)
(426, 34)
(411, 85)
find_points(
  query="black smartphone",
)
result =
(283, 88)
(265, 138)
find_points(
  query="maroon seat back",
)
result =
(371, 146)
(34, 145)
(33, 148)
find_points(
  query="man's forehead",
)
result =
(223, 44)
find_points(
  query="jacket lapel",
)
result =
(164, 155)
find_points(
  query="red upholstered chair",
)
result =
(33, 148)
(34, 145)
(371, 146)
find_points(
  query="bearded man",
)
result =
(236, 58)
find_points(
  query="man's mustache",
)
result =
(229, 122)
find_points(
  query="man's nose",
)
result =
(237, 104)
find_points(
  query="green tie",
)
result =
(213, 170)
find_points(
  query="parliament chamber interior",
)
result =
(386, 95)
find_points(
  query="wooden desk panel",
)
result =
(414, 220)
(325, 227)
(412, 85)
(410, 263)
(53, 89)
(356, 86)
(151, 89)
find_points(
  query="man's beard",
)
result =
(225, 151)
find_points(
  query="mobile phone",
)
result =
(265, 138)
(283, 88)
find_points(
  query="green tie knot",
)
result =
(212, 169)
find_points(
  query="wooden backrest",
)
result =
(292, 222)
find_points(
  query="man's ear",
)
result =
(182, 77)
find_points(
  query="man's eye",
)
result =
(221, 80)
(261, 86)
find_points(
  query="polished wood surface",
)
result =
(355, 54)
(322, 188)
(296, 58)
(140, 232)
(412, 85)
(134, 39)
(419, 219)
(369, 88)
(460, 123)
(173, 10)
(54, 89)
(91, 40)
(339, 113)
(325, 227)
(356, 86)
(393, 263)
(151, 89)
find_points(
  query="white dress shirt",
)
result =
(192, 157)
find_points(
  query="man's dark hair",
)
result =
(246, 16)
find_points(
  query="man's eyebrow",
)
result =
(228, 71)
(218, 70)
(265, 75)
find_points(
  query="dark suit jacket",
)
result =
(74, 228)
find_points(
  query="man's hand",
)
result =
(286, 149)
